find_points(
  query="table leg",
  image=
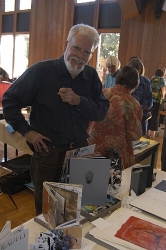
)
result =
(5, 152)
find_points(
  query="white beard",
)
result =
(74, 70)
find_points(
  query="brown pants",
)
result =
(46, 166)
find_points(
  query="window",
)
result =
(25, 4)
(21, 54)
(6, 53)
(85, 1)
(109, 45)
(14, 39)
(9, 5)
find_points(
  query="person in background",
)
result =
(4, 76)
(122, 124)
(113, 65)
(143, 94)
(61, 106)
(158, 93)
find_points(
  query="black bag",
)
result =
(20, 174)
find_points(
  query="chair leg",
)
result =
(9, 194)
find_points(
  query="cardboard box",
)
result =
(107, 211)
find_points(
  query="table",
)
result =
(35, 228)
(147, 155)
(17, 141)
(13, 139)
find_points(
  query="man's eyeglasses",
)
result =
(79, 49)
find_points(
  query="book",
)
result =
(58, 239)
(153, 200)
(30, 186)
(90, 172)
(61, 204)
(83, 151)
(41, 220)
(16, 239)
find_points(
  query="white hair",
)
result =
(113, 60)
(86, 30)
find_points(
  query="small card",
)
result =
(101, 223)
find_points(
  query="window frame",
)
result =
(14, 33)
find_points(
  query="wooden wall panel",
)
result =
(128, 8)
(145, 37)
(49, 27)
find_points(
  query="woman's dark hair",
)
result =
(128, 76)
(160, 72)
(138, 64)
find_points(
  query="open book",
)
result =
(61, 204)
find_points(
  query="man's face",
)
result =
(112, 69)
(78, 51)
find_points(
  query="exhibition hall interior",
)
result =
(87, 151)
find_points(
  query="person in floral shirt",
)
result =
(158, 94)
(122, 124)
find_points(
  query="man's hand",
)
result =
(68, 95)
(36, 139)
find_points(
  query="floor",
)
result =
(23, 199)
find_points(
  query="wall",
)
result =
(142, 36)
(145, 37)
(50, 23)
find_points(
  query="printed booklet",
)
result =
(61, 204)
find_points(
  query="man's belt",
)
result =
(72, 145)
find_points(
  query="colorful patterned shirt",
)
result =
(121, 126)
(157, 83)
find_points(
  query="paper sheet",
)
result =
(153, 200)
(117, 219)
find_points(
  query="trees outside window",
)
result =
(109, 45)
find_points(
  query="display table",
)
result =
(17, 141)
(13, 139)
(147, 155)
(35, 228)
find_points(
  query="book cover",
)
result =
(16, 239)
(61, 203)
(87, 150)
(143, 233)
(58, 239)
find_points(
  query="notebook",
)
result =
(93, 174)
